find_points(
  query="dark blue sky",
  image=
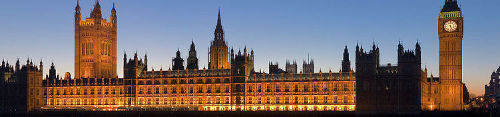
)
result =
(276, 29)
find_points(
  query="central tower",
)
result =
(95, 44)
(450, 28)
(219, 53)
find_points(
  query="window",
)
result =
(325, 87)
(346, 88)
(334, 99)
(277, 89)
(325, 99)
(306, 88)
(249, 89)
(316, 88)
(296, 88)
(200, 89)
(345, 99)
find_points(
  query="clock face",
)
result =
(450, 26)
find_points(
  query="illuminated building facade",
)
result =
(229, 84)
(430, 91)
(206, 90)
(446, 92)
(95, 44)
(450, 29)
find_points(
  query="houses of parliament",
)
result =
(230, 82)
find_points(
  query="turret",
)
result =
(400, 50)
(135, 57)
(245, 51)
(232, 53)
(78, 14)
(346, 63)
(178, 62)
(52, 72)
(219, 32)
(357, 50)
(252, 56)
(146, 60)
(418, 50)
(124, 58)
(113, 16)
(18, 65)
(41, 66)
(192, 61)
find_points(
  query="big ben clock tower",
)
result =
(450, 28)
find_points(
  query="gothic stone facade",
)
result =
(21, 87)
(95, 44)
(388, 88)
(207, 90)
(450, 29)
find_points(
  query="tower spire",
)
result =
(219, 32)
(78, 3)
(96, 13)
(219, 20)
(450, 6)
(113, 15)
(346, 63)
(78, 15)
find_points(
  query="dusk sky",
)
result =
(277, 30)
